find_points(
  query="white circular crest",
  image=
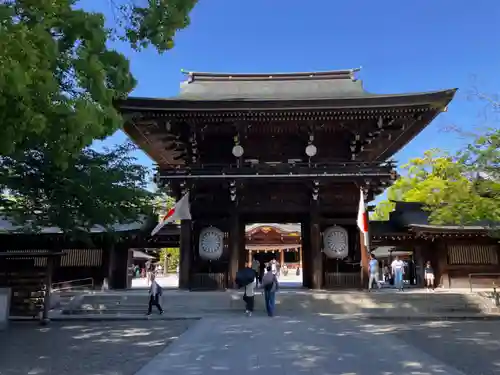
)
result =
(311, 150)
(211, 243)
(238, 151)
(335, 242)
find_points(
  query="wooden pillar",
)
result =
(242, 256)
(130, 267)
(306, 258)
(249, 256)
(48, 289)
(364, 260)
(118, 266)
(105, 267)
(282, 257)
(300, 261)
(418, 258)
(234, 248)
(442, 274)
(186, 254)
(111, 265)
(316, 254)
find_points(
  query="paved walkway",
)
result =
(284, 346)
(172, 281)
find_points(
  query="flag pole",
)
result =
(363, 238)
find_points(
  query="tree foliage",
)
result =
(59, 79)
(58, 84)
(170, 257)
(154, 22)
(162, 203)
(95, 188)
(459, 189)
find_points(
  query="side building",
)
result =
(462, 256)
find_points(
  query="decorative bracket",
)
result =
(184, 188)
(315, 190)
(232, 191)
(194, 147)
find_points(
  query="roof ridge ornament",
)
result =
(328, 74)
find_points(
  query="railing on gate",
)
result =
(342, 280)
(76, 284)
(480, 274)
(208, 281)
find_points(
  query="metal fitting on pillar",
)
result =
(232, 191)
(184, 188)
(194, 148)
(315, 190)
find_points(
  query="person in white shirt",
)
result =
(274, 266)
(249, 297)
(398, 270)
(155, 292)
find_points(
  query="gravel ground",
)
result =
(85, 348)
(472, 347)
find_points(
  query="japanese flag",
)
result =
(363, 219)
(179, 212)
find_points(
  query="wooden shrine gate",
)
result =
(279, 148)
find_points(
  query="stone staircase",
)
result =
(62, 300)
(381, 304)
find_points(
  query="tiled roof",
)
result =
(9, 226)
(277, 86)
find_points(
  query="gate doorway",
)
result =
(277, 245)
(385, 256)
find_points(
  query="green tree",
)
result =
(153, 22)
(460, 189)
(95, 188)
(162, 203)
(382, 210)
(170, 257)
(59, 79)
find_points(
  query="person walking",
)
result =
(270, 284)
(256, 268)
(397, 273)
(155, 292)
(373, 271)
(429, 276)
(249, 297)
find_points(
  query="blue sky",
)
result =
(402, 46)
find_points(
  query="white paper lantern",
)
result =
(335, 242)
(211, 243)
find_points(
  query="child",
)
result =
(429, 276)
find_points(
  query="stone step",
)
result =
(292, 302)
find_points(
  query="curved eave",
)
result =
(448, 229)
(153, 150)
(439, 99)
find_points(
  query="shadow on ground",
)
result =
(327, 346)
(471, 346)
(260, 345)
(90, 348)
